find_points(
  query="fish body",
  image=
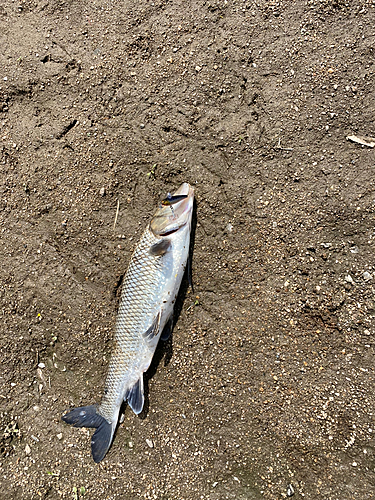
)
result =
(150, 288)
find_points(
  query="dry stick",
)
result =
(117, 211)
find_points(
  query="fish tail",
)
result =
(87, 416)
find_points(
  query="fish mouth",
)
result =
(169, 219)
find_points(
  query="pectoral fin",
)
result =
(160, 248)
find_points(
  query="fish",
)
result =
(150, 287)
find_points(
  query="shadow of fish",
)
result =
(149, 292)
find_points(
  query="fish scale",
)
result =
(136, 313)
(150, 288)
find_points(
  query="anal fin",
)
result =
(135, 396)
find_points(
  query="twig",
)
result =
(117, 211)
(282, 149)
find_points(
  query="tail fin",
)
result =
(87, 416)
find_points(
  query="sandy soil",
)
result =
(266, 389)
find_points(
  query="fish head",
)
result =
(171, 217)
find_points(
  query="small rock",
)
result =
(367, 276)
(198, 68)
(41, 365)
(59, 436)
(289, 491)
(130, 444)
(150, 443)
(354, 250)
(229, 228)
(142, 125)
(27, 449)
(102, 191)
(349, 279)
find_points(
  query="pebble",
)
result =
(41, 365)
(349, 279)
(102, 191)
(150, 443)
(367, 276)
(27, 449)
(198, 68)
(59, 436)
(289, 491)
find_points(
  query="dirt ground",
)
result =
(266, 388)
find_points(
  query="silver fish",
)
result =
(149, 292)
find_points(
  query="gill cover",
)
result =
(170, 218)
